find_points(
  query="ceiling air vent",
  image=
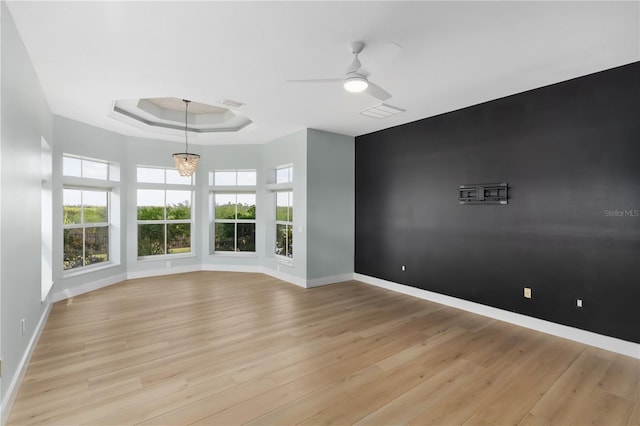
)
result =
(381, 111)
(232, 104)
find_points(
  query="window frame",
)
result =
(236, 189)
(84, 225)
(235, 221)
(283, 182)
(289, 170)
(107, 184)
(166, 187)
(212, 181)
(289, 223)
(83, 160)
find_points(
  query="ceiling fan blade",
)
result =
(355, 66)
(377, 92)
(317, 80)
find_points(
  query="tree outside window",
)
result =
(284, 224)
(234, 222)
(164, 221)
(86, 227)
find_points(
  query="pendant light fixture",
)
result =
(186, 162)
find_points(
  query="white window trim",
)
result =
(235, 191)
(110, 168)
(230, 189)
(92, 267)
(213, 184)
(111, 186)
(289, 173)
(284, 259)
(167, 187)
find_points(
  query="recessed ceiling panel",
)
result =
(169, 113)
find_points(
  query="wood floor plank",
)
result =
(545, 363)
(459, 407)
(315, 402)
(604, 408)
(622, 378)
(531, 420)
(284, 394)
(225, 348)
(417, 400)
(634, 418)
(567, 396)
(157, 407)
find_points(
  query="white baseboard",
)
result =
(16, 380)
(85, 288)
(291, 279)
(317, 282)
(582, 336)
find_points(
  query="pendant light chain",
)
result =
(186, 133)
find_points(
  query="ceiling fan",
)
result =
(355, 80)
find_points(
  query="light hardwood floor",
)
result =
(219, 348)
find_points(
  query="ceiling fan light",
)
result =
(356, 84)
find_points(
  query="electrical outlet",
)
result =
(527, 292)
(404, 268)
(579, 303)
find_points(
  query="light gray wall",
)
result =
(73, 137)
(291, 149)
(330, 204)
(25, 118)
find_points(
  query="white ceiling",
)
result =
(454, 54)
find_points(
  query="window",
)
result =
(164, 212)
(84, 168)
(284, 224)
(233, 227)
(232, 178)
(284, 174)
(235, 222)
(284, 213)
(162, 176)
(86, 227)
(87, 203)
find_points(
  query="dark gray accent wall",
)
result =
(571, 155)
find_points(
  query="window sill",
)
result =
(280, 186)
(88, 269)
(160, 257)
(233, 254)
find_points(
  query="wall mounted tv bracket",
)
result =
(483, 193)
